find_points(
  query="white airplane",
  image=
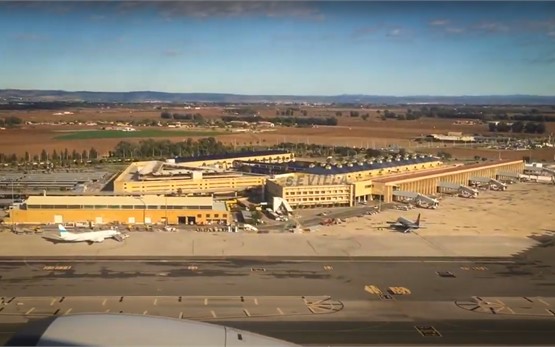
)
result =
(405, 224)
(90, 237)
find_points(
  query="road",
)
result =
(304, 300)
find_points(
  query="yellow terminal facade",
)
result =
(156, 177)
(148, 209)
(421, 175)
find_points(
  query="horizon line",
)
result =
(277, 95)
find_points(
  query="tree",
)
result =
(27, 157)
(540, 128)
(93, 154)
(84, 155)
(338, 113)
(503, 127)
(43, 155)
(530, 127)
(365, 116)
(492, 126)
(55, 156)
(517, 127)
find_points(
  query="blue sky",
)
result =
(289, 47)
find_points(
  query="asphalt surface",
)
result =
(365, 317)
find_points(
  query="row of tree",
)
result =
(152, 149)
(517, 127)
(479, 113)
(10, 121)
(291, 112)
(194, 117)
(286, 121)
(316, 150)
(61, 156)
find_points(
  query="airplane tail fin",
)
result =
(418, 220)
(62, 229)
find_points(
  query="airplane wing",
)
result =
(118, 238)
(53, 238)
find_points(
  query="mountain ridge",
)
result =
(37, 95)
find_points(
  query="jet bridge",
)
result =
(508, 177)
(462, 190)
(418, 199)
(491, 183)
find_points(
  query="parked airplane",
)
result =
(90, 237)
(405, 224)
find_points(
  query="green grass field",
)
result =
(116, 134)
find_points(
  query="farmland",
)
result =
(46, 130)
(117, 134)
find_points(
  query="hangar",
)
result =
(148, 209)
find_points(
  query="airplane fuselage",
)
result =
(92, 236)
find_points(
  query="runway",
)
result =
(311, 302)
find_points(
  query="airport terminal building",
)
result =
(148, 209)
(157, 177)
(390, 180)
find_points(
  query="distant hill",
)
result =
(148, 96)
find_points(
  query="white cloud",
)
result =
(395, 32)
(206, 9)
(491, 27)
(453, 30)
(439, 22)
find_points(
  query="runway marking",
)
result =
(399, 290)
(255, 301)
(68, 311)
(428, 331)
(213, 314)
(544, 302)
(205, 301)
(104, 302)
(144, 313)
(373, 290)
(550, 312)
(247, 313)
(510, 309)
(180, 315)
(156, 302)
(30, 310)
(284, 259)
(328, 267)
(52, 302)
(279, 311)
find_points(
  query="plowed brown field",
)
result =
(351, 131)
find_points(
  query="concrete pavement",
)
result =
(378, 243)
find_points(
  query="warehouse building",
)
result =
(148, 209)
(157, 177)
